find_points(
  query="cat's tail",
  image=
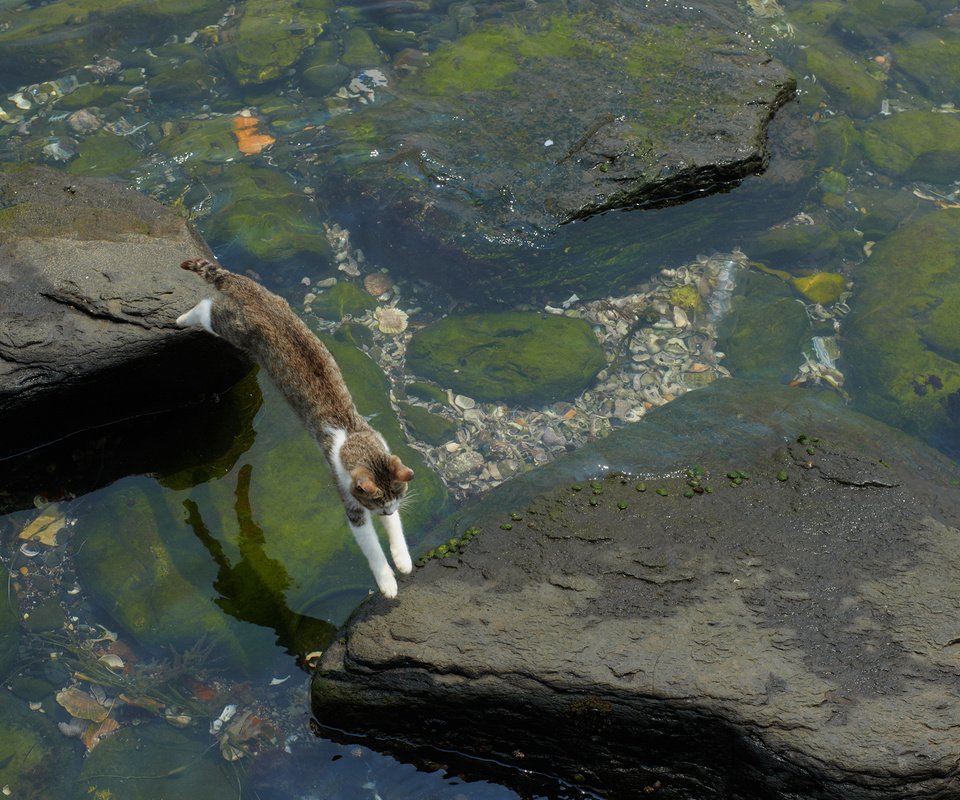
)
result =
(210, 271)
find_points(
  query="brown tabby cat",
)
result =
(369, 478)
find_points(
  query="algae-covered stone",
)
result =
(511, 356)
(140, 563)
(210, 140)
(431, 428)
(266, 215)
(556, 112)
(765, 330)
(838, 144)
(269, 38)
(359, 49)
(344, 298)
(931, 59)
(918, 145)
(37, 41)
(104, 154)
(803, 244)
(146, 762)
(902, 345)
(35, 759)
(321, 70)
(821, 287)
(850, 83)
(9, 621)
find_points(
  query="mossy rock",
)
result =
(104, 154)
(100, 95)
(39, 41)
(519, 357)
(821, 287)
(321, 70)
(187, 80)
(803, 244)
(903, 340)
(931, 59)
(270, 37)
(839, 144)
(155, 761)
(868, 17)
(852, 85)
(35, 759)
(359, 49)
(918, 145)
(210, 140)
(266, 215)
(431, 428)
(344, 298)
(764, 333)
(141, 564)
(9, 624)
(426, 391)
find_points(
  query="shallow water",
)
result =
(207, 522)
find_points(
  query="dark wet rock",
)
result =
(903, 341)
(550, 115)
(787, 633)
(91, 292)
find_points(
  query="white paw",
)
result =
(403, 562)
(388, 585)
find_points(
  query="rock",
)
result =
(788, 634)
(918, 145)
(35, 760)
(91, 291)
(344, 298)
(511, 356)
(427, 426)
(764, 333)
(458, 146)
(269, 37)
(931, 60)
(903, 341)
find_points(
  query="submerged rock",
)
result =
(903, 344)
(547, 115)
(511, 356)
(772, 622)
(35, 759)
(917, 145)
(91, 292)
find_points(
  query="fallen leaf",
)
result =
(81, 705)
(249, 142)
(44, 528)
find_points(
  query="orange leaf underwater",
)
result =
(249, 142)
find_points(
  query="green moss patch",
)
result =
(512, 356)
(918, 145)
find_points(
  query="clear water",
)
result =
(223, 504)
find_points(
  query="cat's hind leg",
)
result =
(398, 544)
(198, 315)
(366, 535)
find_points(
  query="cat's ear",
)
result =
(399, 470)
(363, 480)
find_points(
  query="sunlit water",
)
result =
(226, 523)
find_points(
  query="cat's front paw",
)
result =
(403, 562)
(387, 584)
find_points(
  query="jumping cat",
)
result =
(369, 478)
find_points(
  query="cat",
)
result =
(369, 479)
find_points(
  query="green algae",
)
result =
(270, 37)
(210, 141)
(851, 84)
(431, 428)
(359, 49)
(765, 330)
(104, 154)
(931, 60)
(902, 345)
(917, 145)
(512, 356)
(341, 300)
(321, 70)
(135, 559)
(152, 761)
(267, 215)
(35, 759)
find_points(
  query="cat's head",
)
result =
(380, 483)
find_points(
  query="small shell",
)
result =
(377, 283)
(390, 320)
(464, 402)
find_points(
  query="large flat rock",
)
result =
(90, 290)
(792, 633)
